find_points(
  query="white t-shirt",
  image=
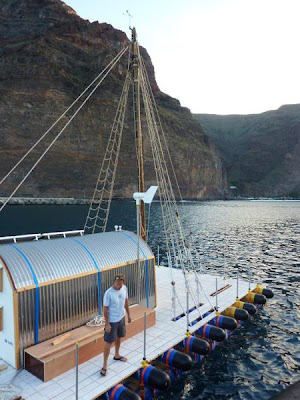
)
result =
(115, 301)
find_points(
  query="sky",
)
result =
(214, 56)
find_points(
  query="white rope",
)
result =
(175, 238)
(62, 130)
(62, 115)
(161, 129)
(98, 321)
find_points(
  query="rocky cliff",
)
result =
(261, 151)
(48, 55)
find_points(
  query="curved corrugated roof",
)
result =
(41, 261)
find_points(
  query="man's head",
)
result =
(119, 281)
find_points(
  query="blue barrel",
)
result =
(212, 332)
(120, 392)
(177, 359)
(155, 378)
(224, 322)
(196, 345)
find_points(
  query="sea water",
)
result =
(257, 239)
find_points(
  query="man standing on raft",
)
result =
(115, 302)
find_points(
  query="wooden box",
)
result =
(47, 361)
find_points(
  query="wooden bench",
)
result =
(47, 360)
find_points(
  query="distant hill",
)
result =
(261, 151)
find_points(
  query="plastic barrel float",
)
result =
(154, 378)
(224, 322)
(260, 289)
(255, 298)
(120, 392)
(177, 359)
(245, 306)
(196, 345)
(211, 333)
(236, 313)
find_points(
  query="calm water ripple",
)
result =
(262, 239)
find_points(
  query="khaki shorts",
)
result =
(118, 329)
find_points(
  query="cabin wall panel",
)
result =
(1, 279)
(133, 277)
(71, 303)
(7, 333)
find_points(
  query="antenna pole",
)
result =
(135, 68)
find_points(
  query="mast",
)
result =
(135, 68)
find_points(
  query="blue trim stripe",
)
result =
(207, 331)
(191, 338)
(147, 373)
(191, 342)
(172, 354)
(98, 269)
(221, 321)
(118, 392)
(37, 294)
(146, 265)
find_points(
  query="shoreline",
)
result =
(77, 201)
(45, 201)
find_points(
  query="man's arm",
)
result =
(127, 310)
(107, 324)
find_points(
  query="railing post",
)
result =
(77, 360)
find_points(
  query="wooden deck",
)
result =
(160, 337)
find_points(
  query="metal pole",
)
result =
(198, 291)
(187, 309)
(77, 370)
(249, 276)
(138, 246)
(145, 327)
(135, 64)
(158, 255)
(217, 294)
(237, 284)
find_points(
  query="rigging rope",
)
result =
(62, 130)
(176, 242)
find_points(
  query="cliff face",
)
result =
(261, 151)
(48, 55)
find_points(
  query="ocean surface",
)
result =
(260, 239)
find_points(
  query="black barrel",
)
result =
(198, 346)
(255, 298)
(246, 306)
(211, 332)
(177, 359)
(155, 378)
(237, 313)
(120, 392)
(268, 293)
(224, 322)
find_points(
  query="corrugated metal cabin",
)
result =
(48, 287)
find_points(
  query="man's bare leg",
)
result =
(117, 350)
(107, 347)
(117, 347)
